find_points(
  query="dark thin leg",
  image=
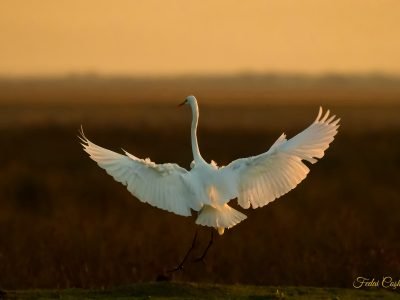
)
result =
(201, 258)
(180, 266)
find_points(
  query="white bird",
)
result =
(255, 181)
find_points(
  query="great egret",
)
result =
(255, 181)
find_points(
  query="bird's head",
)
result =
(190, 100)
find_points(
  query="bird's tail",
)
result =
(219, 217)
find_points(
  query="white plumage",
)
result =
(206, 188)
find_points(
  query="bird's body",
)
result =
(206, 188)
(215, 190)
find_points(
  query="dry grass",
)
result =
(189, 291)
(65, 223)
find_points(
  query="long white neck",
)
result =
(198, 159)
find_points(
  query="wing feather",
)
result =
(166, 186)
(264, 178)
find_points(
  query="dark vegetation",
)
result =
(189, 291)
(65, 223)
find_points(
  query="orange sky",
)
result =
(145, 37)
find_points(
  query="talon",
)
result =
(178, 268)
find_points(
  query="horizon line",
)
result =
(244, 74)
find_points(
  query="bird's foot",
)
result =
(177, 268)
(180, 266)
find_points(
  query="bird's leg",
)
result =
(201, 258)
(180, 266)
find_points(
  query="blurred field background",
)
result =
(65, 223)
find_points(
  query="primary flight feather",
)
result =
(206, 188)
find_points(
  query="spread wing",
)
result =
(166, 186)
(264, 178)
